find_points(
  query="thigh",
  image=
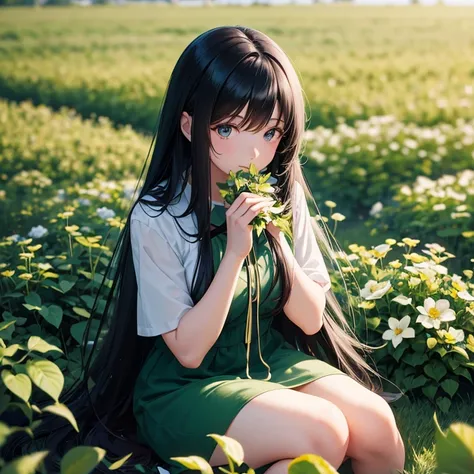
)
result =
(368, 415)
(284, 424)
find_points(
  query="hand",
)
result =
(238, 218)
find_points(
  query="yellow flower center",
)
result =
(397, 331)
(449, 338)
(433, 313)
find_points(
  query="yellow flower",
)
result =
(25, 276)
(395, 263)
(8, 273)
(366, 304)
(26, 255)
(71, 228)
(25, 242)
(415, 257)
(390, 241)
(468, 273)
(34, 248)
(410, 242)
(330, 204)
(337, 216)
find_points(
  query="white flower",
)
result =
(465, 295)
(105, 213)
(84, 201)
(398, 330)
(85, 228)
(104, 196)
(376, 208)
(37, 232)
(402, 300)
(374, 290)
(432, 314)
(458, 334)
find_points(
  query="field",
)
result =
(390, 100)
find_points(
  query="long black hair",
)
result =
(216, 76)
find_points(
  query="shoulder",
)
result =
(147, 213)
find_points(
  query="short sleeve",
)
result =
(306, 249)
(163, 297)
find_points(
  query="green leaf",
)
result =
(463, 373)
(36, 343)
(30, 307)
(81, 312)
(419, 381)
(231, 447)
(81, 459)
(33, 299)
(46, 376)
(66, 283)
(310, 464)
(415, 359)
(455, 449)
(444, 404)
(118, 464)
(430, 391)
(460, 350)
(195, 463)
(435, 369)
(53, 314)
(450, 386)
(19, 384)
(27, 464)
(62, 410)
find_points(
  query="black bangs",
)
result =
(259, 82)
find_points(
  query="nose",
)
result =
(255, 154)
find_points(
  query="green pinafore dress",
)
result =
(177, 407)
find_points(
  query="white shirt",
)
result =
(165, 261)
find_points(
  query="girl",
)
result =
(216, 329)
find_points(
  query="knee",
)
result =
(380, 425)
(330, 437)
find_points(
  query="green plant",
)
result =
(425, 315)
(254, 182)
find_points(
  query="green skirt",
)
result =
(177, 407)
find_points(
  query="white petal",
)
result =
(408, 332)
(388, 334)
(448, 315)
(405, 322)
(422, 310)
(393, 323)
(442, 305)
(429, 303)
(396, 340)
(402, 299)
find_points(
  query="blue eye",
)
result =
(228, 127)
(270, 131)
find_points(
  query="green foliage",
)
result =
(425, 314)
(441, 210)
(252, 181)
(354, 63)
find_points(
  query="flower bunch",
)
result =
(254, 182)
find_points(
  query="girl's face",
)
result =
(236, 149)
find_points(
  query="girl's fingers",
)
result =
(245, 203)
(254, 210)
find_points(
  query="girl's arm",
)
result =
(307, 300)
(164, 305)
(200, 327)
